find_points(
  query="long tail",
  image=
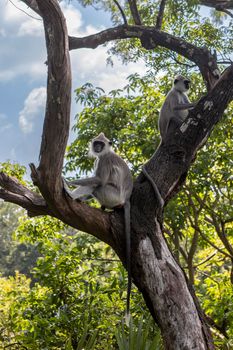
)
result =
(128, 256)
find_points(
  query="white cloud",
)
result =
(11, 13)
(34, 106)
(73, 18)
(31, 27)
(90, 66)
(34, 69)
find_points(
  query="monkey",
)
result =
(112, 186)
(176, 105)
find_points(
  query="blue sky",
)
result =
(23, 73)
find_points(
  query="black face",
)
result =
(187, 83)
(98, 146)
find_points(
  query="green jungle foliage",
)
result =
(62, 289)
(75, 296)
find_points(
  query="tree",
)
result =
(168, 295)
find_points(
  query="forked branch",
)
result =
(151, 38)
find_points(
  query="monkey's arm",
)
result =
(90, 181)
(183, 106)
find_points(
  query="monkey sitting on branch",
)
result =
(175, 107)
(112, 186)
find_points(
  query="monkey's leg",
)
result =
(81, 192)
(174, 123)
(108, 196)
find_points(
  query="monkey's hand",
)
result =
(66, 187)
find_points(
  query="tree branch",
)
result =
(56, 129)
(121, 11)
(13, 191)
(134, 12)
(159, 20)
(226, 4)
(33, 5)
(154, 269)
(151, 38)
(229, 13)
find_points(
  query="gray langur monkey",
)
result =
(112, 186)
(176, 105)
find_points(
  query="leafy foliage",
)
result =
(78, 296)
(198, 221)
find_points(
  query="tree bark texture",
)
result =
(218, 4)
(155, 272)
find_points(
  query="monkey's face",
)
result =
(181, 83)
(98, 146)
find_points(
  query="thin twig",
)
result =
(26, 13)
(12, 344)
(207, 259)
(213, 245)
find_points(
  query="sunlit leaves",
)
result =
(129, 120)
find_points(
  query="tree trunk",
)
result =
(155, 272)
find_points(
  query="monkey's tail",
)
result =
(128, 257)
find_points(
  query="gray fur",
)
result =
(175, 106)
(112, 186)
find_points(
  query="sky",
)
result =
(23, 73)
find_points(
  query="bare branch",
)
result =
(57, 118)
(229, 13)
(121, 11)
(205, 260)
(226, 4)
(76, 214)
(33, 5)
(134, 12)
(181, 250)
(214, 245)
(56, 128)
(151, 38)
(159, 20)
(13, 191)
(18, 8)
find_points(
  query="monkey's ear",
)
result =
(110, 143)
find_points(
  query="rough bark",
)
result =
(224, 4)
(134, 12)
(159, 19)
(156, 273)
